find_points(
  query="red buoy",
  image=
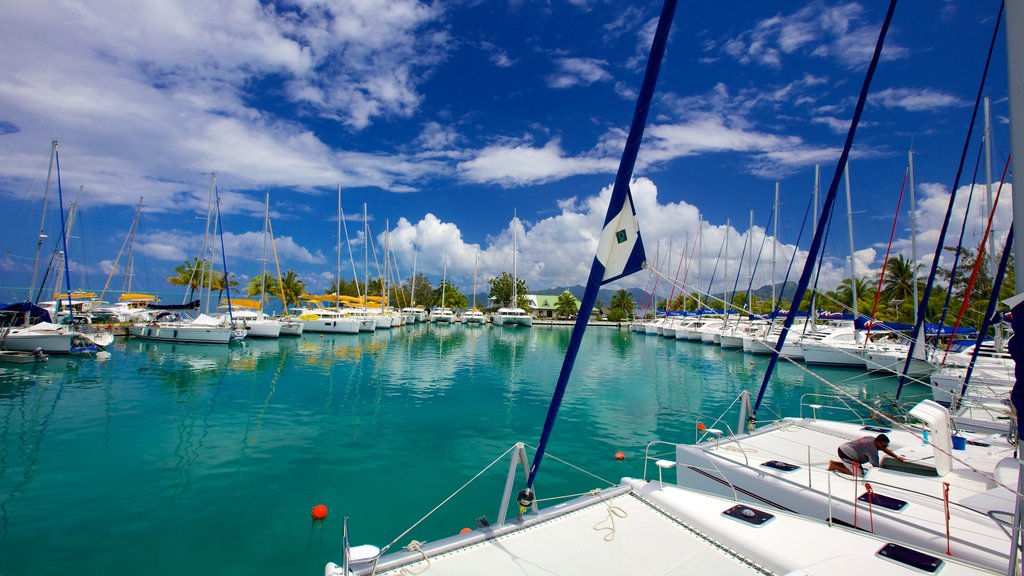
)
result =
(319, 512)
(465, 531)
(620, 455)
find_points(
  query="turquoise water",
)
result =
(181, 459)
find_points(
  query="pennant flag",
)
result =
(620, 250)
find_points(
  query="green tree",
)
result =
(501, 290)
(218, 283)
(449, 296)
(189, 273)
(566, 306)
(622, 302)
(262, 287)
(423, 293)
(897, 302)
(292, 287)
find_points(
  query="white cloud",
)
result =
(519, 163)
(578, 72)
(826, 31)
(916, 100)
(158, 90)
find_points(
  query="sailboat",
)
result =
(331, 320)
(513, 315)
(170, 322)
(27, 327)
(441, 314)
(473, 316)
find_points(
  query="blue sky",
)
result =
(446, 117)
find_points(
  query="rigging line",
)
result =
(757, 261)
(686, 271)
(993, 299)
(64, 242)
(830, 199)
(682, 255)
(885, 261)
(960, 241)
(923, 305)
(979, 259)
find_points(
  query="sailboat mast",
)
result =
(207, 265)
(412, 289)
(849, 226)
(337, 262)
(366, 258)
(444, 278)
(998, 336)
(476, 262)
(263, 272)
(1015, 65)
(515, 248)
(42, 221)
(913, 228)
(128, 240)
(775, 246)
(725, 270)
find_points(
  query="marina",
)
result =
(182, 457)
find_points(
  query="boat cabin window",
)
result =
(910, 557)
(877, 499)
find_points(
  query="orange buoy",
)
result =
(465, 530)
(319, 512)
(701, 427)
(620, 455)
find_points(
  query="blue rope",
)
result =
(64, 240)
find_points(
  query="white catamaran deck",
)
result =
(653, 529)
(737, 466)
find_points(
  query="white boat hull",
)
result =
(182, 333)
(26, 340)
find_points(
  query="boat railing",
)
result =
(827, 404)
(662, 464)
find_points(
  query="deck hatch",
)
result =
(780, 466)
(747, 514)
(882, 500)
(910, 557)
(878, 429)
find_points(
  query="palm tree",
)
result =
(292, 287)
(622, 302)
(217, 283)
(566, 306)
(898, 286)
(189, 273)
(262, 287)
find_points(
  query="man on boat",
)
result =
(860, 452)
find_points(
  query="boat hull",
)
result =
(181, 333)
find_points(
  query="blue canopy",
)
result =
(35, 313)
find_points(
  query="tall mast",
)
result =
(515, 233)
(337, 268)
(775, 245)
(263, 273)
(913, 228)
(1015, 64)
(444, 278)
(412, 289)
(476, 261)
(849, 225)
(366, 259)
(725, 271)
(207, 265)
(998, 339)
(42, 221)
